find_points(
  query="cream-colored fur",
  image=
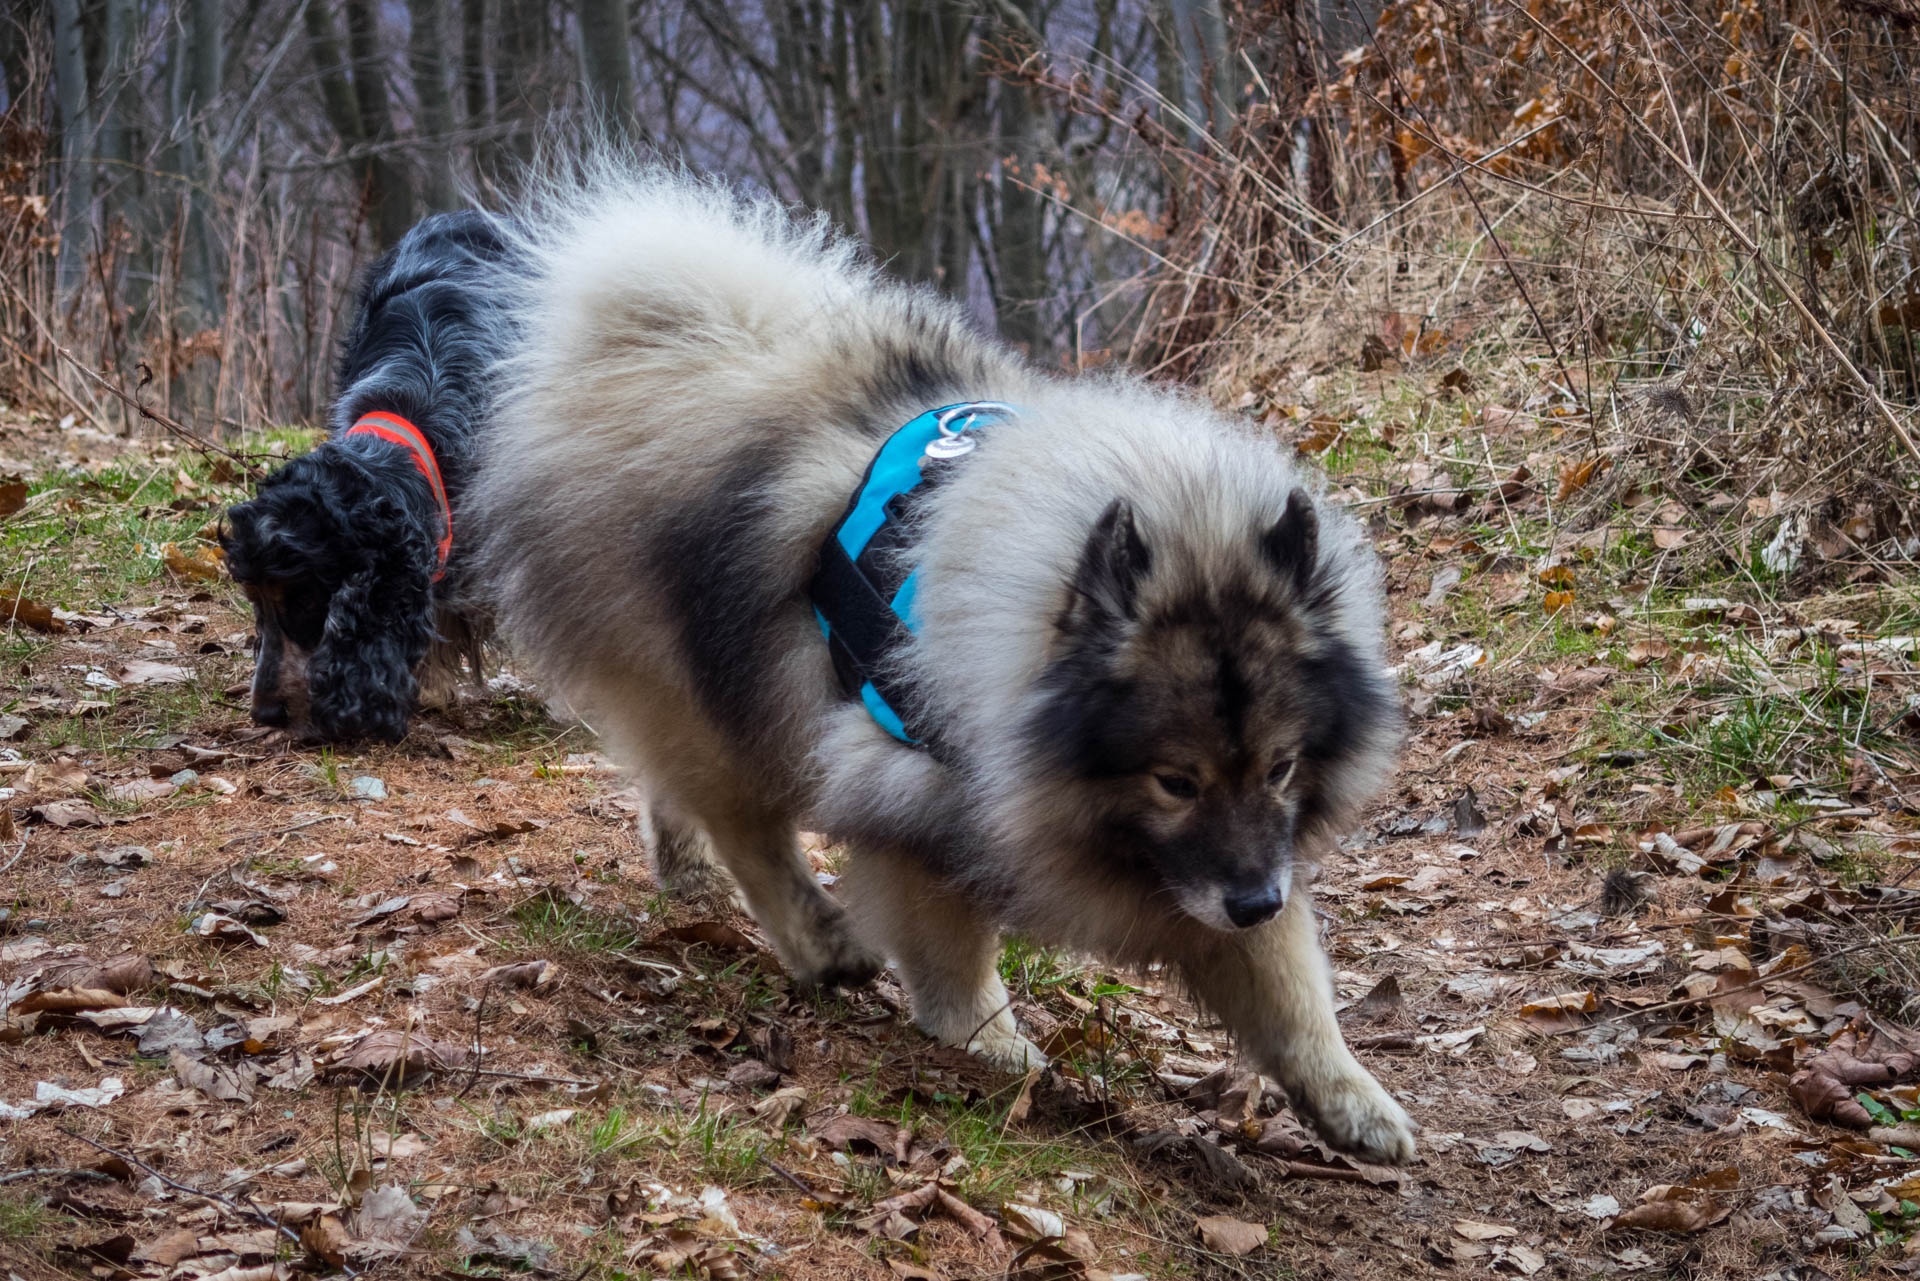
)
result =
(702, 367)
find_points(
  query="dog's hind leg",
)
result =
(809, 930)
(1273, 988)
(683, 866)
(947, 954)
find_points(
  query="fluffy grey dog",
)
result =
(1149, 657)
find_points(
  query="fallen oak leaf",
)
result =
(143, 671)
(778, 1108)
(29, 613)
(1226, 1235)
(129, 972)
(391, 1056)
(326, 1239)
(389, 1215)
(534, 975)
(1825, 1087)
(845, 1132)
(225, 930)
(206, 563)
(68, 1000)
(219, 1082)
(169, 1248)
(1025, 1222)
(1670, 1207)
(712, 933)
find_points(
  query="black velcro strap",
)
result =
(861, 619)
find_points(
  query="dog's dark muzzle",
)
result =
(1249, 908)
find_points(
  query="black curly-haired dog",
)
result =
(353, 554)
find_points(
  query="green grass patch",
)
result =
(23, 1217)
(549, 921)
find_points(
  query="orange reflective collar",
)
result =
(398, 431)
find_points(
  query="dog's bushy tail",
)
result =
(629, 259)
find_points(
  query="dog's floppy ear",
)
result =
(1106, 583)
(1293, 544)
(360, 680)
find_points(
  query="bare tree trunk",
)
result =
(1019, 251)
(478, 110)
(119, 102)
(197, 61)
(389, 193)
(337, 94)
(1311, 159)
(426, 55)
(1201, 30)
(522, 53)
(76, 144)
(17, 28)
(606, 65)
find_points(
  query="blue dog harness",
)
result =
(864, 589)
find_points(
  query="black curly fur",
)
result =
(338, 548)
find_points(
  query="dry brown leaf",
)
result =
(264, 1272)
(205, 563)
(326, 1239)
(218, 1082)
(1577, 476)
(72, 814)
(845, 1132)
(225, 930)
(1564, 1003)
(1383, 1002)
(393, 1055)
(143, 671)
(1669, 1207)
(1025, 1222)
(169, 1248)
(29, 613)
(13, 495)
(68, 1000)
(1668, 539)
(778, 1108)
(1825, 1087)
(1225, 1235)
(388, 1214)
(123, 974)
(712, 933)
(534, 975)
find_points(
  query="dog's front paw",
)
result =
(1008, 1051)
(1357, 1116)
(830, 957)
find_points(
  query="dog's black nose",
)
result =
(1254, 906)
(272, 713)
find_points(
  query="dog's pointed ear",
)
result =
(1293, 544)
(1106, 584)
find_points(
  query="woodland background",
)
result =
(1604, 317)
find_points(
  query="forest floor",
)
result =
(421, 1010)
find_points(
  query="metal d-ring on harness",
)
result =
(863, 592)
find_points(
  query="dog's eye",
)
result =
(1178, 786)
(1281, 771)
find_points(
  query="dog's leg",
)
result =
(809, 930)
(682, 864)
(947, 953)
(1273, 988)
